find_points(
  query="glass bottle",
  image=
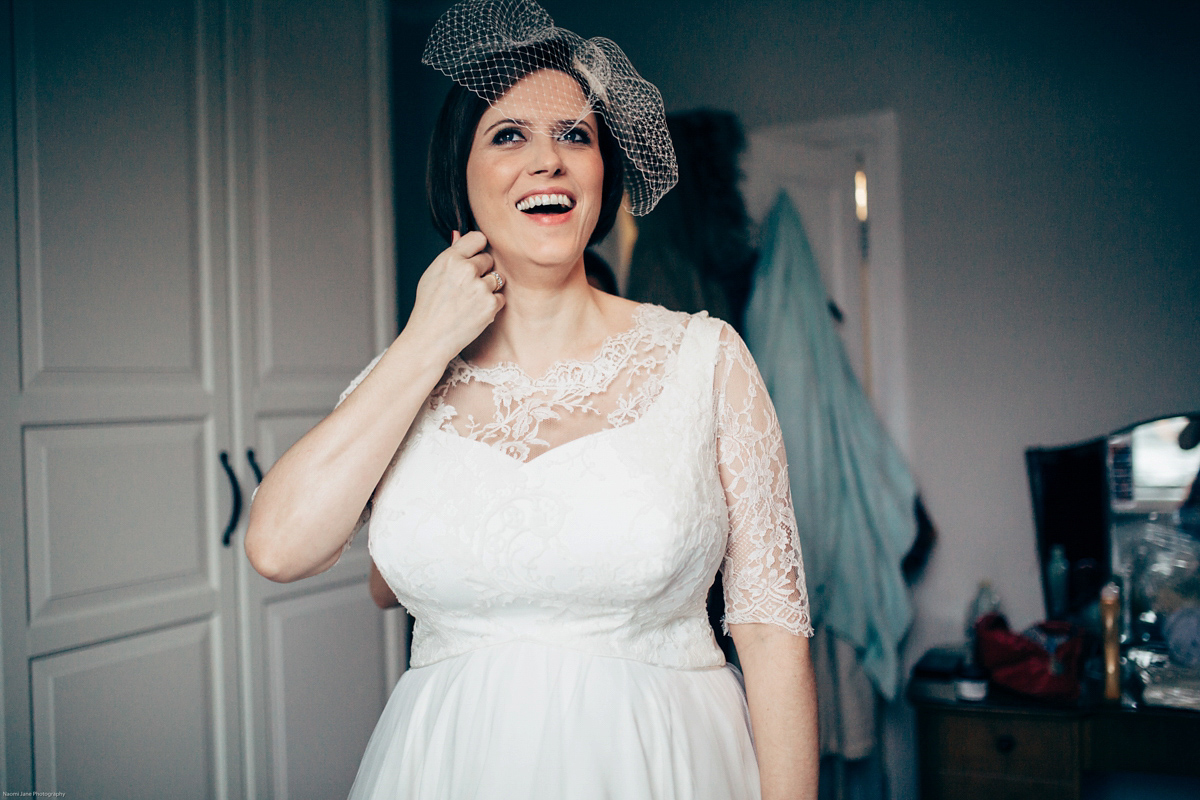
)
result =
(1058, 570)
(985, 602)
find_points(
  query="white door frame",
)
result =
(876, 137)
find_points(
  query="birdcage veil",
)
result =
(487, 46)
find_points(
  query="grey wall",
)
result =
(1051, 246)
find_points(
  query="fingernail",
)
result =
(455, 236)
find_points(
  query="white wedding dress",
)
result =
(555, 539)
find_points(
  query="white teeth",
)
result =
(545, 200)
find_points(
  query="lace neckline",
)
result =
(503, 406)
(611, 351)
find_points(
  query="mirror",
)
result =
(1152, 466)
(1095, 498)
(1154, 505)
(1069, 490)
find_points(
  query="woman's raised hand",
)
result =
(310, 501)
(457, 297)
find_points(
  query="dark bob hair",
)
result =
(450, 147)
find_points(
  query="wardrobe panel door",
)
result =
(324, 659)
(314, 190)
(316, 297)
(123, 402)
(131, 718)
(109, 116)
(117, 518)
(316, 716)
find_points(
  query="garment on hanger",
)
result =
(665, 274)
(853, 493)
(845, 698)
(693, 250)
(847, 705)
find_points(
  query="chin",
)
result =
(554, 256)
(552, 251)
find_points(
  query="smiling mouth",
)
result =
(546, 204)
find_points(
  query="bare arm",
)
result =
(310, 501)
(381, 593)
(766, 602)
(781, 693)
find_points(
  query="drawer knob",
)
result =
(1005, 743)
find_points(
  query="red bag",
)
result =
(1044, 661)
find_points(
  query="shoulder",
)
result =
(735, 365)
(657, 316)
(722, 340)
(710, 335)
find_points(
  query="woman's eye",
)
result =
(576, 136)
(507, 136)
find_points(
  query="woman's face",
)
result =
(535, 176)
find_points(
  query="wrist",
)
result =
(426, 356)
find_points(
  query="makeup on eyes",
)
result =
(515, 127)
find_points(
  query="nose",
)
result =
(544, 156)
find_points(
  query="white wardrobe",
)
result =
(196, 256)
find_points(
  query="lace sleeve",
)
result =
(763, 572)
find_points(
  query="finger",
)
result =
(483, 263)
(469, 244)
(454, 236)
(496, 279)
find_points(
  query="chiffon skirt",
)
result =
(535, 722)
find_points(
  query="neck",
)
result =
(548, 315)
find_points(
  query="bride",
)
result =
(553, 475)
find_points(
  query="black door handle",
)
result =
(235, 515)
(258, 473)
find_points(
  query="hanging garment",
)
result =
(665, 274)
(852, 489)
(693, 251)
(845, 698)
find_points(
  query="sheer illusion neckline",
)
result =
(508, 371)
(524, 417)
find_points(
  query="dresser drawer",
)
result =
(1004, 749)
(949, 786)
(1016, 745)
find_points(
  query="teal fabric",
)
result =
(852, 490)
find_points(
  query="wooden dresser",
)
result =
(1010, 749)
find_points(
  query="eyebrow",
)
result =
(564, 124)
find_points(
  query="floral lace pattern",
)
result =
(528, 416)
(591, 507)
(764, 572)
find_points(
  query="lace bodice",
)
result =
(524, 417)
(592, 506)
